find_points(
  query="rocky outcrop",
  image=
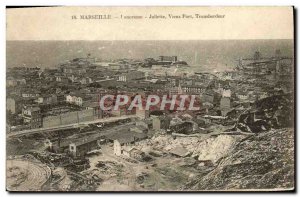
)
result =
(271, 112)
(213, 149)
(262, 161)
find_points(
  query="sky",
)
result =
(56, 23)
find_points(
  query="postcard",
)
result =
(135, 99)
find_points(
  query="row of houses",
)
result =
(65, 78)
(11, 82)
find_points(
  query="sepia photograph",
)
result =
(150, 99)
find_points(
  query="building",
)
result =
(14, 105)
(242, 95)
(11, 82)
(134, 153)
(30, 94)
(95, 106)
(210, 96)
(120, 148)
(226, 93)
(47, 99)
(142, 113)
(78, 98)
(120, 143)
(61, 78)
(70, 99)
(73, 70)
(174, 90)
(69, 117)
(193, 89)
(124, 138)
(61, 98)
(114, 66)
(32, 116)
(82, 147)
(168, 58)
(131, 76)
(161, 123)
(225, 105)
(86, 80)
(121, 111)
(117, 148)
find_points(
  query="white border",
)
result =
(4, 3)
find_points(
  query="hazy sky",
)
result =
(56, 23)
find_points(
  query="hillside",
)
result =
(261, 161)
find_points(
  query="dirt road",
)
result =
(25, 175)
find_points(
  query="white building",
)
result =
(226, 93)
(117, 148)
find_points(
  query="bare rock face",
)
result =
(214, 148)
(262, 161)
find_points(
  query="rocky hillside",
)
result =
(261, 161)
